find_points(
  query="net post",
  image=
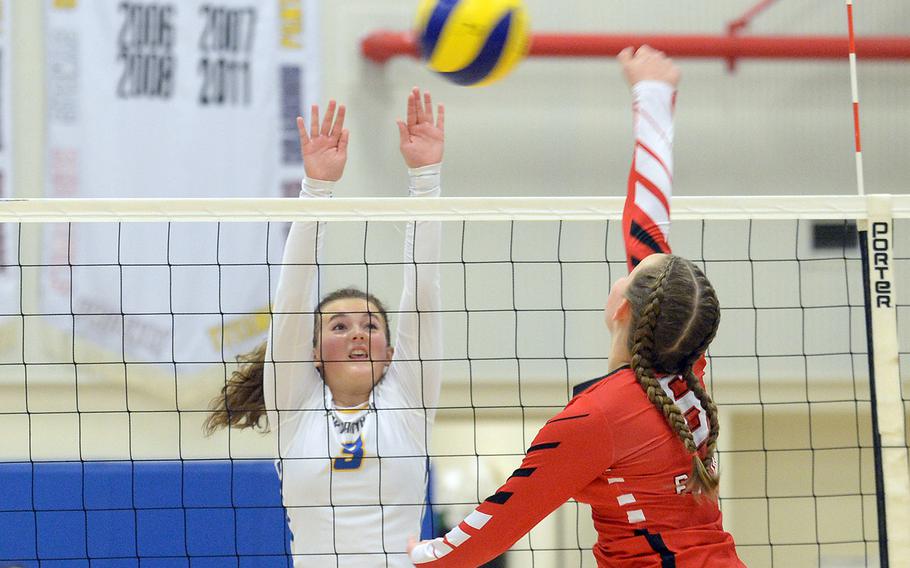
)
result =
(892, 477)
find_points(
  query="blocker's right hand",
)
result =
(648, 64)
(324, 148)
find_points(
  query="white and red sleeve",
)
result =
(560, 462)
(646, 215)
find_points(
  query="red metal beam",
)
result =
(381, 46)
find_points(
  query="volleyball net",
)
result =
(121, 320)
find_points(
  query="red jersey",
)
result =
(610, 447)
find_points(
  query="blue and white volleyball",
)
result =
(472, 42)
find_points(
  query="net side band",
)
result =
(45, 210)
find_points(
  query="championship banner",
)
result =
(9, 273)
(186, 98)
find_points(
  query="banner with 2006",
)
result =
(168, 98)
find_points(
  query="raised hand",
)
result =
(324, 148)
(422, 139)
(647, 64)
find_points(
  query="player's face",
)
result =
(352, 348)
(615, 314)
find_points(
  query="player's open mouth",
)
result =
(359, 354)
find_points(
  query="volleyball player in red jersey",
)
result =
(638, 443)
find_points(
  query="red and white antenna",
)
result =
(860, 184)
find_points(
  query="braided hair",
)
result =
(241, 403)
(675, 315)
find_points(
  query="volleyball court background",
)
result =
(523, 300)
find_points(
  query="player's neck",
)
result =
(619, 350)
(350, 400)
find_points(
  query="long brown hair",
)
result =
(675, 315)
(241, 403)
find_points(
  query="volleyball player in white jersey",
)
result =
(352, 411)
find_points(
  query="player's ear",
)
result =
(317, 342)
(623, 313)
(317, 356)
(389, 352)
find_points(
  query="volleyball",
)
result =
(472, 42)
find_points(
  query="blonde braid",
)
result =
(643, 356)
(702, 476)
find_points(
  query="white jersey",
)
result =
(354, 480)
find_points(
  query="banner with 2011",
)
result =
(169, 99)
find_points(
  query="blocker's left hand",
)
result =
(422, 139)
